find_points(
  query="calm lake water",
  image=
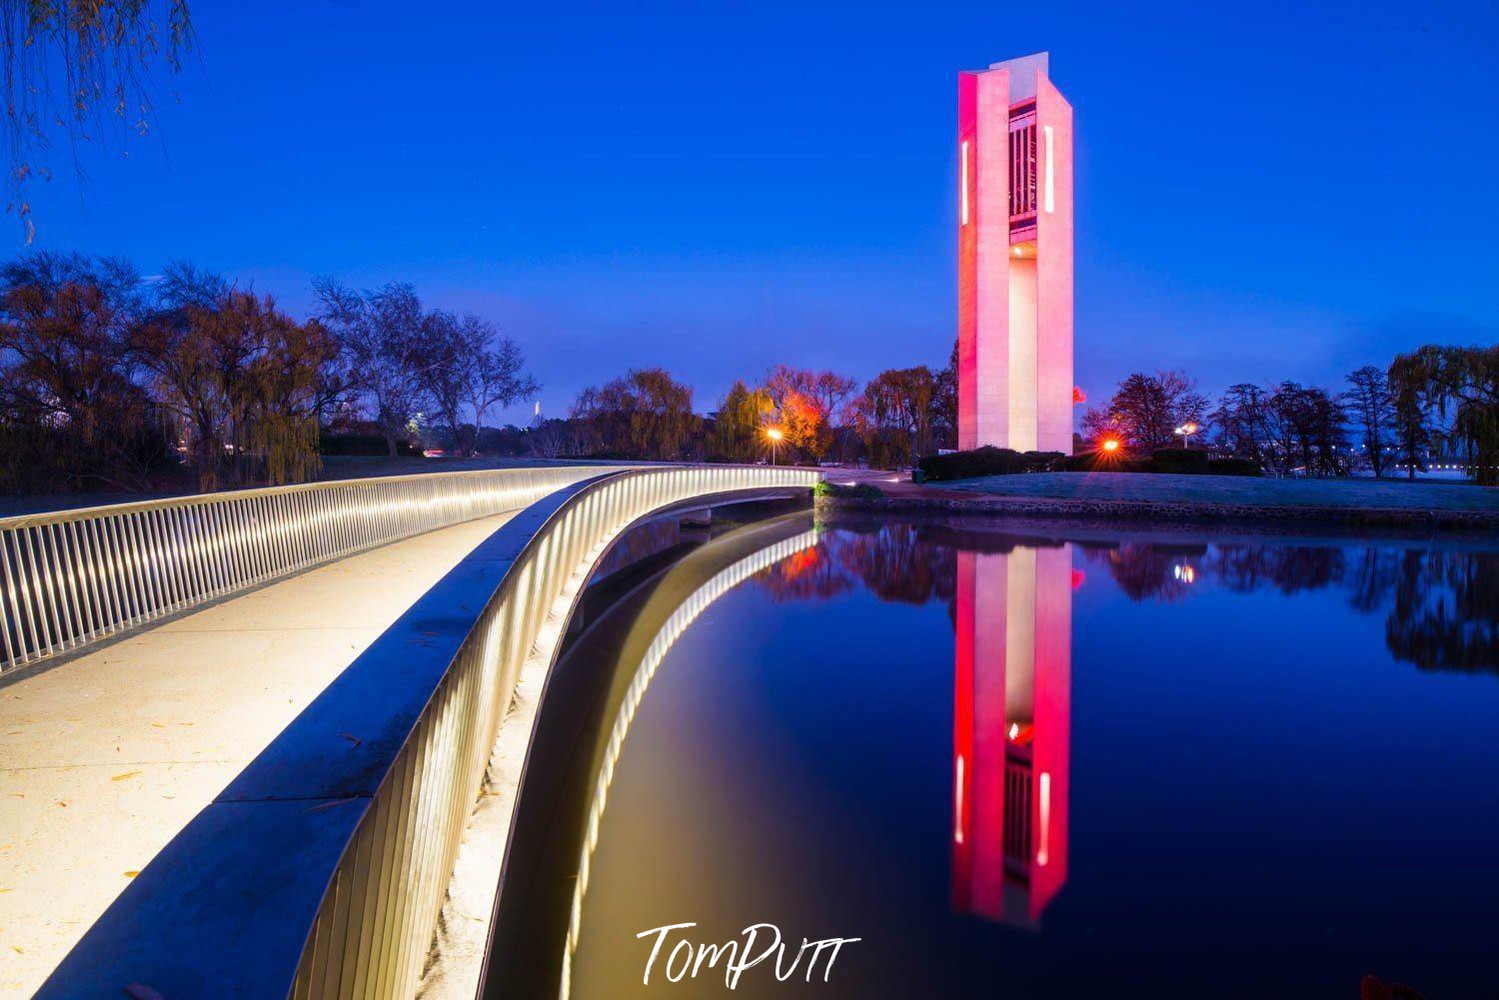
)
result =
(1053, 761)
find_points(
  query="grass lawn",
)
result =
(1369, 493)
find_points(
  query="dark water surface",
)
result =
(1053, 762)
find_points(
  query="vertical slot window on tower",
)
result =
(963, 183)
(1050, 180)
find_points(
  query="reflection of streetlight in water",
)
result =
(1011, 732)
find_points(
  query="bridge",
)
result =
(242, 736)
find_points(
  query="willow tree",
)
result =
(894, 416)
(739, 427)
(80, 70)
(1410, 382)
(1461, 384)
(645, 414)
(246, 383)
(72, 412)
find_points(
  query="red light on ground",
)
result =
(1112, 444)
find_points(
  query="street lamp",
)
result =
(775, 434)
(1186, 430)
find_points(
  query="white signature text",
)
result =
(755, 944)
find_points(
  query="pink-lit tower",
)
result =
(1014, 259)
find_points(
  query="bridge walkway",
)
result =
(106, 757)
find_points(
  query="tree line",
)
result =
(1435, 403)
(791, 414)
(109, 380)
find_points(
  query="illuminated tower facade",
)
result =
(1014, 259)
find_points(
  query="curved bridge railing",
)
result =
(320, 871)
(72, 577)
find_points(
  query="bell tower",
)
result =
(1014, 258)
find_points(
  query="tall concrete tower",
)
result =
(1014, 259)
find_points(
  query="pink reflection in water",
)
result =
(1011, 710)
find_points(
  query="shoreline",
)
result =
(1173, 512)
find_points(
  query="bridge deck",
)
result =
(105, 758)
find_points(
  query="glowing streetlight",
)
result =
(775, 434)
(1186, 431)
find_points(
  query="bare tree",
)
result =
(552, 439)
(1147, 409)
(1308, 429)
(1373, 411)
(382, 333)
(467, 366)
(831, 389)
(1240, 421)
(497, 371)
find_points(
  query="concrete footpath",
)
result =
(104, 758)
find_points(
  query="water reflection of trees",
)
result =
(1441, 606)
(895, 562)
(1446, 614)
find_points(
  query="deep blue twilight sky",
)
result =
(1274, 192)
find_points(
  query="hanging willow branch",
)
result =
(79, 69)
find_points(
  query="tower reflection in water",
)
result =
(1011, 693)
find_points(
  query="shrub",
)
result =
(1095, 461)
(985, 461)
(1185, 461)
(861, 491)
(1234, 467)
(362, 444)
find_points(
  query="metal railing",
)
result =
(320, 871)
(72, 577)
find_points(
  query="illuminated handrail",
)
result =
(321, 870)
(72, 577)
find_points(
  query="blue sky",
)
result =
(1281, 191)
